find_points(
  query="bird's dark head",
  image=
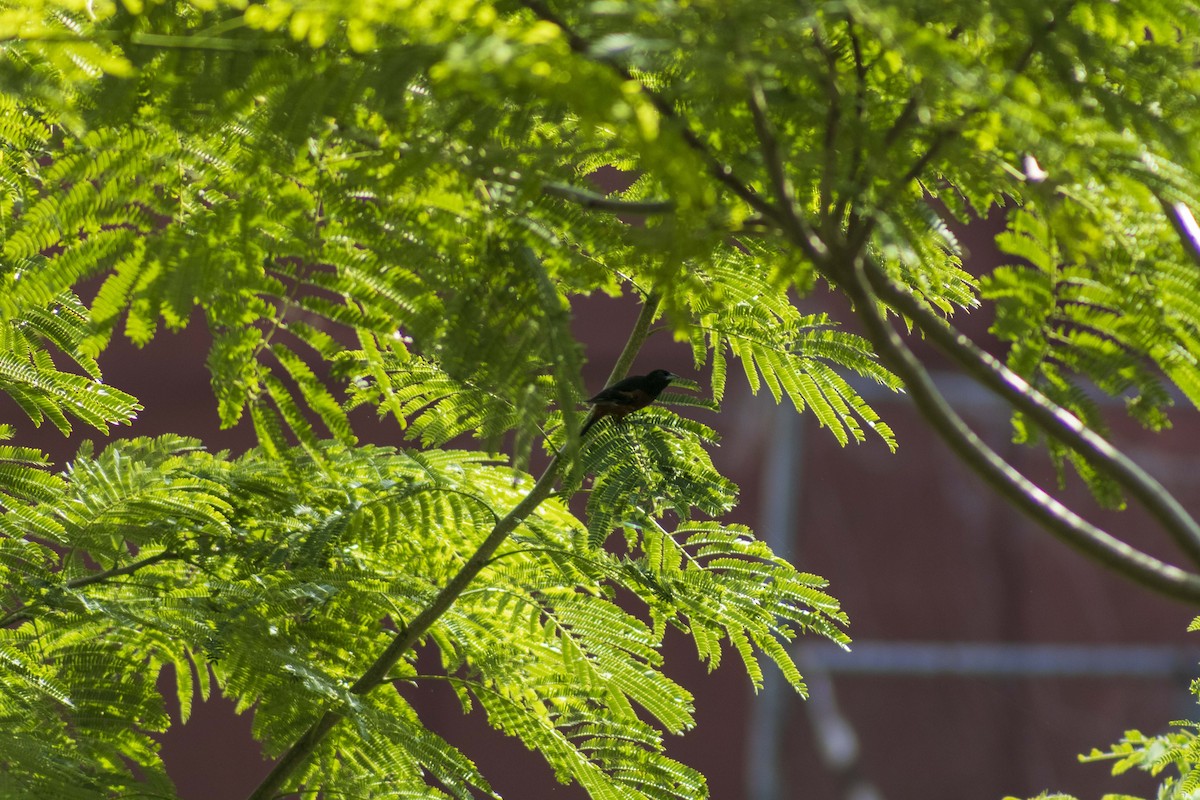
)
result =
(661, 377)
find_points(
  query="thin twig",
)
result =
(833, 120)
(860, 110)
(598, 202)
(785, 210)
(202, 42)
(26, 612)
(100, 577)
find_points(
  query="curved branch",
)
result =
(1049, 416)
(1002, 476)
(863, 280)
(410, 633)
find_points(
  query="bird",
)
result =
(626, 396)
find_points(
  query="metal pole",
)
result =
(783, 482)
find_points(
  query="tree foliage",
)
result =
(386, 206)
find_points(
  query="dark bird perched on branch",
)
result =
(626, 396)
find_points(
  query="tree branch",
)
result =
(833, 120)
(854, 173)
(1185, 225)
(786, 214)
(98, 577)
(410, 633)
(1026, 495)
(861, 233)
(1002, 476)
(1049, 416)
